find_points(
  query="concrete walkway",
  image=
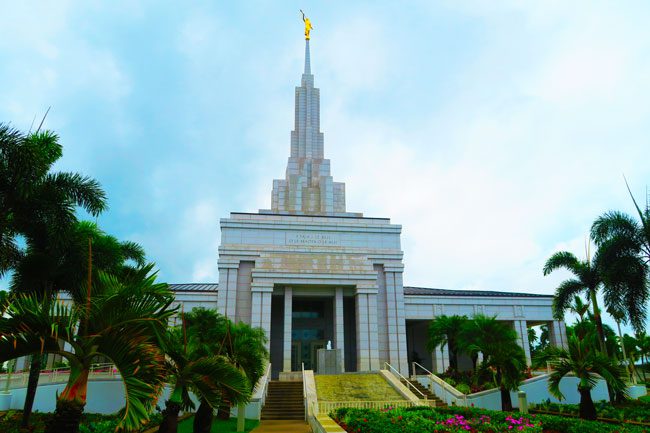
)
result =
(282, 426)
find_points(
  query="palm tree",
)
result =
(643, 343)
(475, 332)
(445, 330)
(498, 342)
(39, 206)
(31, 198)
(122, 322)
(619, 316)
(626, 250)
(587, 365)
(205, 376)
(243, 345)
(579, 307)
(588, 279)
(52, 266)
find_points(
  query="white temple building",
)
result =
(307, 271)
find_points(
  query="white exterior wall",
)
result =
(316, 256)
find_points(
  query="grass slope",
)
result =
(351, 387)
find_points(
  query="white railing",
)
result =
(58, 375)
(262, 386)
(405, 380)
(442, 389)
(325, 407)
(304, 390)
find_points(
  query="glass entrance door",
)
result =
(311, 327)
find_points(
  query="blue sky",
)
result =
(494, 132)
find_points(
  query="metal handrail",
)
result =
(444, 385)
(408, 383)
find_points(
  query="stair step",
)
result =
(284, 401)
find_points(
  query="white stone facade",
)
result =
(307, 272)
(317, 256)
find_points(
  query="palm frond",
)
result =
(81, 190)
(564, 294)
(212, 375)
(613, 224)
(562, 259)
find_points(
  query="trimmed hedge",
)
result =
(632, 410)
(456, 419)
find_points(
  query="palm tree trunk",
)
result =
(32, 384)
(223, 411)
(70, 404)
(203, 418)
(587, 408)
(169, 422)
(506, 400)
(599, 321)
(630, 368)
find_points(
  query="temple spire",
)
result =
(307, 58)
(308, 187)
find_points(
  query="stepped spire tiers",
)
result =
(308, 188)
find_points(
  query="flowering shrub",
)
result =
(457, 419)
(428, 420)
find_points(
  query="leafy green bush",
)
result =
(464, 388)
(455, 419)
(417, 420)
(633, 410)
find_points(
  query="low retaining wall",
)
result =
(104, 397)
(536, 390)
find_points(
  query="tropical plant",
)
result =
(587, 279)
(619, 316)
(190, 369)
(587, 365)
(445, 331)
(498, 342)
(579, 307)
(67, 270)
(625, 246)
(643, 343)
(587, 330)
(38, 206)
(31, 198)
(123, 321)
(243, 345)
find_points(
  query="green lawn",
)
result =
(219, 426)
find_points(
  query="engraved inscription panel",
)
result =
(313, 239)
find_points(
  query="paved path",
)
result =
(280, 426)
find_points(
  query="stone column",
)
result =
(398, 356)
(367, 342)
(557, 334)
(522, 332)
(441, 359)
(261, 308)
(286, 341)
(227, 295)
(339, 337)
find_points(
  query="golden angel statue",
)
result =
(308, 26)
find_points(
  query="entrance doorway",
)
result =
(311, 328)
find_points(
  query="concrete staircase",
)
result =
(284, 401)
(432, 398)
